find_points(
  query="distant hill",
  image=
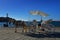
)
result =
(5, 19)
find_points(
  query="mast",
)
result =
(7, 19)
(41, 19)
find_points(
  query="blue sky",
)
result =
(19, 9)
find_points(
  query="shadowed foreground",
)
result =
(54, 35)
(9, 34)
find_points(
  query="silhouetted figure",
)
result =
(24, 27)
(15, 23)
(34, 26)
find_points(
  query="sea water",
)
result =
(56, 24)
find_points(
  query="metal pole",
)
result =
(29, 23)
(41, 19)
(7, 19)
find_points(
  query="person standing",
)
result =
(16, 25)
(24, 27)
(34, 26)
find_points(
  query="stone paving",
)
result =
(9, 34)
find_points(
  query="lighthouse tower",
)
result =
(7, 15)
